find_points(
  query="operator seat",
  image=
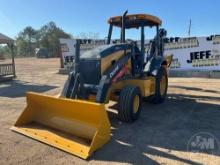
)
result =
(136, 59)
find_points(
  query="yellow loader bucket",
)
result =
(75, 126)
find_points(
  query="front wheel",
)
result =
(129, 103)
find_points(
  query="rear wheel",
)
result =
(129, 103)
(161, 86)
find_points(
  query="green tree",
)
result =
(22, 47)
(46, 37)
(5, 52)
(26, 41)
(50, 35)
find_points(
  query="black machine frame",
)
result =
(76, 87)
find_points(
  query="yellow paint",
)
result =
(169, 59)
(147, 87)
(106, 62)
(75, 126)
(136, 104)
(143, 17)
(163, 85)
(128, 65)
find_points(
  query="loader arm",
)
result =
(107, 78)
(76, 86)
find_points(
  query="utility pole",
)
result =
(190, 24)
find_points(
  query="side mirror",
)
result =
(162, 33)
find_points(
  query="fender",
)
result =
(153, 65)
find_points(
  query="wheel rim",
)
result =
(136, 104)
(163, 85)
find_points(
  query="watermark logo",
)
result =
(203, 142)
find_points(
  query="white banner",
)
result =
(195, 53)
(200, 53)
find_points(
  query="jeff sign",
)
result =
(197, 53)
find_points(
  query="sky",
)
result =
(79, 16)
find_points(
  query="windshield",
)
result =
(94, 53)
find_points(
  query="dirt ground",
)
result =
(160, 136)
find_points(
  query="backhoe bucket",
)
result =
(75, 126)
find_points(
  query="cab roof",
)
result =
(135, 21)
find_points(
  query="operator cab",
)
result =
(137, 21)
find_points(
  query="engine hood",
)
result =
(103, 51)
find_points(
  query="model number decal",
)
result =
(114, 71)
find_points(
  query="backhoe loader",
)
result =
(77, 121)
